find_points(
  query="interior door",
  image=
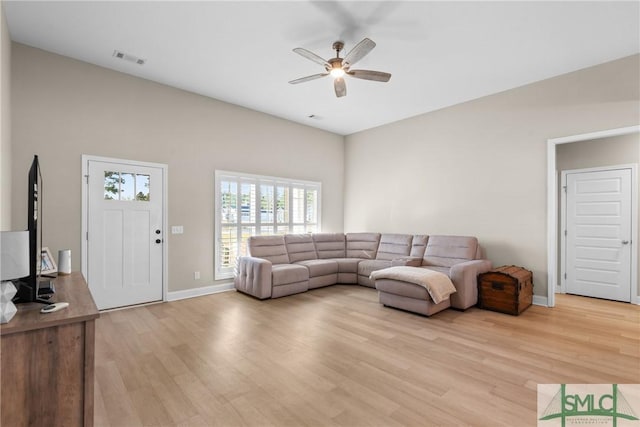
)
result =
(124, 233)
(598, 234)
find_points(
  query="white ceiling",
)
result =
(439, 53)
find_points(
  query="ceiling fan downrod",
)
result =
(338, 46)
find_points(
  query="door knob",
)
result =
(157, 231)
(158, 241)
(625, 242)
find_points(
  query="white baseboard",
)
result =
(540, 300)
(198, 292)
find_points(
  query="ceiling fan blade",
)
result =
(306, 79)
(340, 87)
(312, 56)
(377, 76)
(358, 52)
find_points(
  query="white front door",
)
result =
(124, 233)
(598, 230)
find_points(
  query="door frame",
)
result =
(552, 206)
(86, 158)
(634, 221)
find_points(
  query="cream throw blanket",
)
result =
(438, 285)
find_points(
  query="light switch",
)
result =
(177, 229)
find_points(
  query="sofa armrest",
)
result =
(253, 277)
(410, 261)
(465, 278)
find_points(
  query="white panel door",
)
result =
(598, 238)
(125, 235)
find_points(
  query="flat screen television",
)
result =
(28, 286)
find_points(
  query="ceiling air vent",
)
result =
(130, 58)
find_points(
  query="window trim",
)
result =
(222, 273)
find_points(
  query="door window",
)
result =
(126, 186)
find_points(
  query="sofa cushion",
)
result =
(407, 261)
(320, 267)
(362, 245)
(445, 270)
(330, 245)
(418, 245)
(366, 267)
(347, 265)
(271, 248)
(283, 274)
(394, 246)
(446, 251)
(300, 247)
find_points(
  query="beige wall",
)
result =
(5, 123)
(64, 108)
(612, 151)
(479, 168)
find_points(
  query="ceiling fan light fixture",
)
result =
(337, 73)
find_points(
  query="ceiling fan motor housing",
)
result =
(335, 63)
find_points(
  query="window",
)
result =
(250, 205)
(126, 186)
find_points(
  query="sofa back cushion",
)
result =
(446, 251)
(394, 246)
(479, 252)
(362, 245)
(271, 248)
(419, 245)
(300, 247)
(330, 245)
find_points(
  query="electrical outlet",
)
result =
(196, 275)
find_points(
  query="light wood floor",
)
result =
(335, 356)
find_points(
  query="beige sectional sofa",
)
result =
(284, 265)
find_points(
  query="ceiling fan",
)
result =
(339, 67)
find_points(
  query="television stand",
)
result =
(48, 360)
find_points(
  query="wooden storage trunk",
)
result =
(507, 289)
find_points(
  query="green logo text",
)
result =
(565, 406)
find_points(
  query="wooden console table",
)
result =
(48, 360)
